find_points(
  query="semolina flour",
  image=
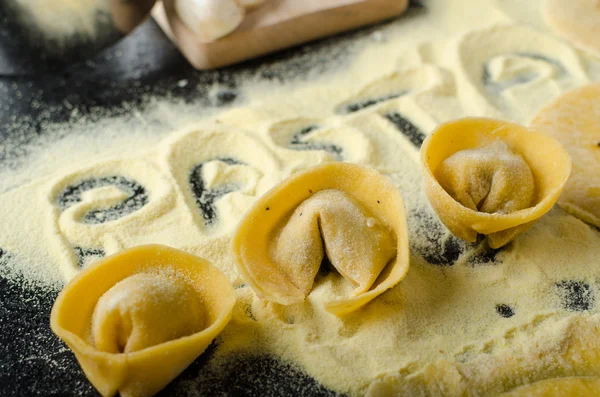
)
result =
(466, 320)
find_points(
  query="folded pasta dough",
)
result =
(348, 212)
(137, 319)
(490, 177)
(145, 310)
(574, 120)
(358, 245)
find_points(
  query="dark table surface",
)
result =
(33, 362)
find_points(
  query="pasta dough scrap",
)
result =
(581, 386)
(137, 319)
(490, 177)
(574, 120)
(144, 310)
(350, 212)
(577, 20)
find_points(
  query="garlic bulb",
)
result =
(210, 19)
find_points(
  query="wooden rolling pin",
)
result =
(275, 25)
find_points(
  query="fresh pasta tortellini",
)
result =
(490, 177)
(574, 120)
(349, 213)
(145, 310)
(137, 319)
(358, 245)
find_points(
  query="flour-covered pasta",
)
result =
(574, 120)
(145, 310)
(489, 177)
(348, 213)
(136, 319)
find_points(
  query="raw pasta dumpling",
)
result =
(145, 310)
(358, 245)
(348, 213)
(137, 319)
(490, 177)
(574, 120)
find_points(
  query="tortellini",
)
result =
(490, 177)
(574, 120)
(144, 310)
(137, 319)
(349, 213)
(358, 245)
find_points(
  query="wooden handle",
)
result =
(275, 25)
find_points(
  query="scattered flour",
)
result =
(50, 16)
(445, 329)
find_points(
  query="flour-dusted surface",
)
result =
(462, 313)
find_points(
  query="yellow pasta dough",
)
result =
(577, 20)
(490, 177)
(349, 213)
(144, 310)
(574, 120)
(137, 319)
(349, 233)
(565, 387)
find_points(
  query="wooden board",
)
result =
(275, 25)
